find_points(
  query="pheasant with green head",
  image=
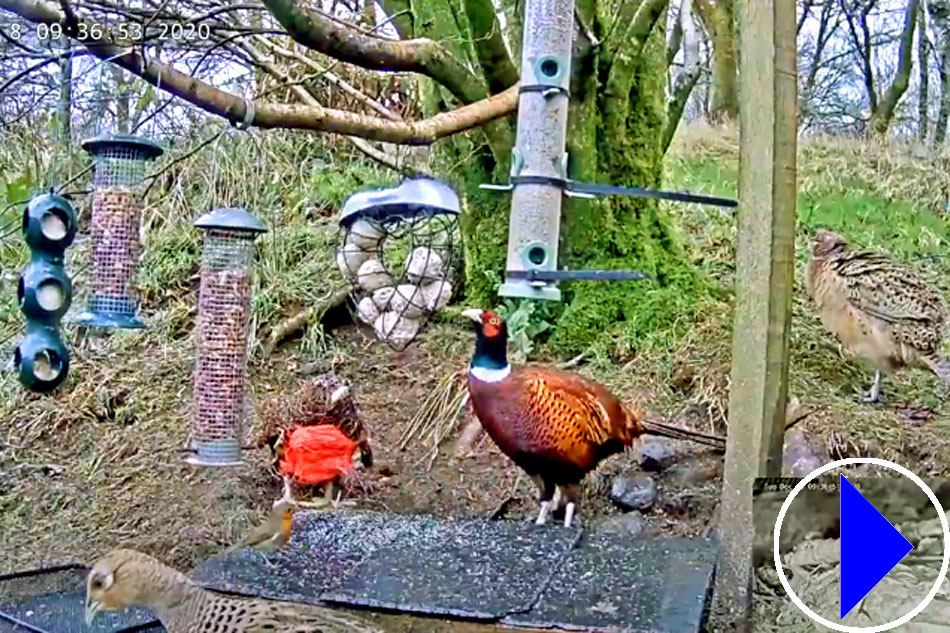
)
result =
(556, 425)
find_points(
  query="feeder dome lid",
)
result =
(231, 218)
(415, 196)
(145, 148)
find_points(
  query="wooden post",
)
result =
(764, 283)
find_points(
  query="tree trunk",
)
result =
(940, 18)
(685, 80)
(616, 120)
(65, 107)
(923, 57)
(720, 23)
(882, 115)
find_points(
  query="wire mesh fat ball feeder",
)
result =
(398, 251)
(224, 304)
(116, 217)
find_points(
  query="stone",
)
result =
(802, 454)
(655, 455)
(628, 524)
(633, 493)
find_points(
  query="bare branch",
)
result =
(490, 46)
(270, 115)
(332, 78)
(345, 43)
(308, 98)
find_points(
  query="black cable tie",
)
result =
(596, 189)
(576, 275)
(545, 89)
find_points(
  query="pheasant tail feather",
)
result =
(667, 430)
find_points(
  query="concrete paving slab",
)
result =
(628, 585)
(515, 573)
(472, 569)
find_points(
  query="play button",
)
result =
(870, 546)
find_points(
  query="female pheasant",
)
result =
(124, 578)
(880, 310)
(555, 425)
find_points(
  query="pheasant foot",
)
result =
(874, 393)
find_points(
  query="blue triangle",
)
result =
(870, 546)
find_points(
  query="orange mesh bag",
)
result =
(317, 454)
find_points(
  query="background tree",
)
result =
(460, 62)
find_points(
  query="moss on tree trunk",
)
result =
(614, 136)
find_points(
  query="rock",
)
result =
(629, 524)
(655, 455)
(633, 493)
(694, 471)
(802, 454)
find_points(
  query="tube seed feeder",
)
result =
(224, 303)
(116, 217)
(44, 292)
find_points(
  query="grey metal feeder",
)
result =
(224, 304)
(116, 216)
(398, 250)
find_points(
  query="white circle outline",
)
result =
(946, 546)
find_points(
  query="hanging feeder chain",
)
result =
(591, 190)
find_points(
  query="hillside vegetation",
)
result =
(101, 461)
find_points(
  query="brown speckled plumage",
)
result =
(556, 425)
(124, 577)
(880, 310)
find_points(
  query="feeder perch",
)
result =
(224, 303)
(398, 251)
(44, 292)
(116, 216)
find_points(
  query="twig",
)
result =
(574, 361)
(299, 321)
(507, 501)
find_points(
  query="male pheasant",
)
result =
(557, 426)
(124, 577)
(880, 310)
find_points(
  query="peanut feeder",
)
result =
(224, 303)
(116, 216)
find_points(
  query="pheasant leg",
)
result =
(543, 514)
(547, 490)
(874, 393)
(571, 493)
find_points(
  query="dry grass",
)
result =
(101, 463)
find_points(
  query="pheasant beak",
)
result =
(92, 610)
(474, 314)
